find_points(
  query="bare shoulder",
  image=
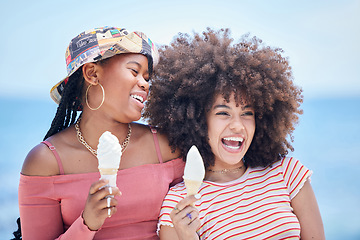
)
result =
(166, 151)
(148, 140)
(40, 161)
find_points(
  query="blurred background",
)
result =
(321, 39)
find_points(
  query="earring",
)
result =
(86, 97)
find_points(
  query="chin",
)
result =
(136, 117)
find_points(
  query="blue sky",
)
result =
(321, 38)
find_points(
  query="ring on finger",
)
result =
(189, 215)
(110, 191)
(109, 212)
(175, 208)
(108, 202)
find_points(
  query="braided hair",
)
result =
(70, 102)
(69, 105)
(66, 114)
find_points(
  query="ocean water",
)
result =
(327, 140)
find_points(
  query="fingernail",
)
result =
(197, 196)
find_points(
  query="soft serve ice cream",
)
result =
(194, 171)
(109, 156)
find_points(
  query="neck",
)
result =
(225, 174)
(92, 128)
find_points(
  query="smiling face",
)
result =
(231, 129)
(125, 80)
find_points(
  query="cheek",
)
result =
(251, 129)
(213, 134)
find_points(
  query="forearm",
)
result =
(169, 233)
(34, 226)
(78, 230)
(41, 217)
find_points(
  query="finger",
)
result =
(195, 224)
(189, 200)
(190, 213)
(108, 202)
(112, 191)
(115, 191)
(187, 215)
(186, 219)
(111, 211)
(98, 185)
(106, 191)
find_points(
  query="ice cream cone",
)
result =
(194, 171)
(110, 174)
(108, 171)
(192, 187)
(109, 156)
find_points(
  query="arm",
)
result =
(40, 210)
(307, 211)
(168, 233)
(40, 207)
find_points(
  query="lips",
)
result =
(233, 143)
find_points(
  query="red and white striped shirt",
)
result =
(255, 206)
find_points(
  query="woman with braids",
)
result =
(60, 194)
(238, 104)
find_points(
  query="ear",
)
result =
(90, 73)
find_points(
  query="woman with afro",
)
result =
(238, 104)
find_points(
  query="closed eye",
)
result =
(222, 113)
(249, 113)
(136, 72)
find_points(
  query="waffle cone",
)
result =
(108, 171)
(109, 174)
(192, 187)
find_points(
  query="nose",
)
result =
(236, 125)
(143, 84)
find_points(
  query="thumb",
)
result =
(188, 200)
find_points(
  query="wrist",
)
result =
(85, 224)
(196, 237)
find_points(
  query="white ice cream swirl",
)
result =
(194, 168)
(109, 151)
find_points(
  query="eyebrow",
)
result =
(221, 106)
(130, 62)
(138, 64)
(226, 106)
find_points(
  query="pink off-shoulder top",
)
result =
(51, 207)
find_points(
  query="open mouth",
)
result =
(233, 142)
(137, 97)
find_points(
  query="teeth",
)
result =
(232, 147)
(137, 97)
(235, 139)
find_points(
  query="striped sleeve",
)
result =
(295, 175)
(175, 194)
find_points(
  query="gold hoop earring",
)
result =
(86, 97)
